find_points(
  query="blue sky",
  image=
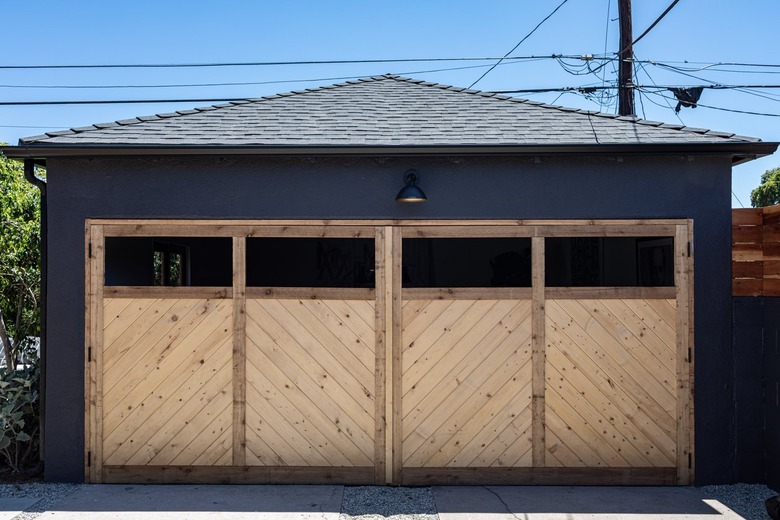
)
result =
(102, 32)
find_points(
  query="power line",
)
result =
(748, 112)
(246, 83)
(518, 43)
(263, 63)
(666, 11)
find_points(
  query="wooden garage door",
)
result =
(413, 363)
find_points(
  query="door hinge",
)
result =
(89, 248)
(89, 354)
(690, 460)
(689, 354)
(89, 458)
(689, 249)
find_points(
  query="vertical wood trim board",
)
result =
(681, 281)
(96, 343)
(380, 372)
(538, 353)
(239, 351)
(89, 390)
(396, 317)
(692, 358)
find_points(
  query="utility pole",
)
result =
(626, 64)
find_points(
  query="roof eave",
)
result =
(740, 151)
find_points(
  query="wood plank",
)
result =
(771, 287)
(690, 439)
(444, 231)
(681, 269)
(238, 442)
(96, 336)
(540, 476)
(467, 293)
(89, 364)
(746, 217)
(111, 224)
(747, 269)
(771, 268)
(380, 356)
(139, 291)
(310, 293)
(538, 349)
(603, 293)
(395, 254)
(746, 234)
(238, 475)
(747, 287)
(605, 230)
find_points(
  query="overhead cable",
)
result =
(518, 43)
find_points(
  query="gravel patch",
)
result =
(396, 503)
(745, 499)
(48, 493)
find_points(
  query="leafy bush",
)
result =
(19, 417)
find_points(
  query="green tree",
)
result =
(20, 276)
(768, 192)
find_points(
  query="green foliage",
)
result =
(768, 192)
(19, 258)
(19, 423)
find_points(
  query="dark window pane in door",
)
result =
(466, 262)
(310, 262)
(169, 261)
(609, 262)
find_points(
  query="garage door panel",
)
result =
(647, 332)
(290, 331)
(479, 375)
(463, 358)
(197, 346)
(432, 325)
(636, 432)
(611, 359)
(174, 400)
(308, 383)
(306, 408)
(633, 400)
(608, 398)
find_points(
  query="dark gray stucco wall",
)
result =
(471, 187)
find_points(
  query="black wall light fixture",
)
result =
(411, 192)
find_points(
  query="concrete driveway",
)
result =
(152, 502)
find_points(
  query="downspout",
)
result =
(29, 174)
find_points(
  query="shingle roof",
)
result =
(381, 111)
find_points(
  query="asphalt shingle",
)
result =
(382, 111)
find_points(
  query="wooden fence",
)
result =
(755, 251)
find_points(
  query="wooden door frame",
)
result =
(388, 235)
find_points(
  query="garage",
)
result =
(241, 293)
(387, 353)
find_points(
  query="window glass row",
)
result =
(426, 262)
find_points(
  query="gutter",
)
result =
(740, 151)
(29, 174)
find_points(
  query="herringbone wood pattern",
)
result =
(611, 383)
(466, 383)
(167, 383)
(310, 382)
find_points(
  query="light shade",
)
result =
(411, 192)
